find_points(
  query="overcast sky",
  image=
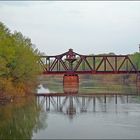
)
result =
(87, 27)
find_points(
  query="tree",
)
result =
(18, 59)
(136, 59)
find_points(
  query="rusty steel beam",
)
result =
(89, 72)
(98, 64)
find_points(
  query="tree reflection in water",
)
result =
(21, 119)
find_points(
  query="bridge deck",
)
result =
(89, 72)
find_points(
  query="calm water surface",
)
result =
(84, 118)
(73, 117)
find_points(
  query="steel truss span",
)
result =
(74, 63)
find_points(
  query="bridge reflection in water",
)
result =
(71, 102)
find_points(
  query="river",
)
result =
(74, 116)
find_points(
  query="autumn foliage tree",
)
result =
(18, 63)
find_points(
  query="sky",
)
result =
(88, 27)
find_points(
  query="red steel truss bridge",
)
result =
(71, 62)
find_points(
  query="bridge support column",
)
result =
(71, 83)
(138, 83)
(138, 80)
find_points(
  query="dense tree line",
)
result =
(18, 63)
